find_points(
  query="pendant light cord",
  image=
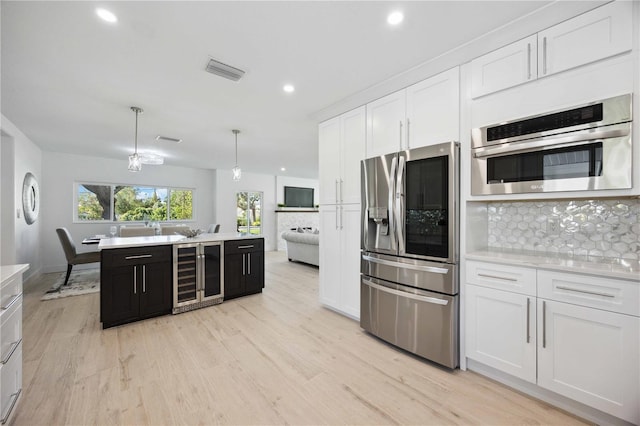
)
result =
(136, 135)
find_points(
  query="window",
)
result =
(123, 203)
(249, 212)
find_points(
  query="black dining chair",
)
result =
(74, 258)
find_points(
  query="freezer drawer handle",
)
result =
(433, 300)
(497, 277)
(14, 398)
(577, 290)
(406, 265)
(14, 346)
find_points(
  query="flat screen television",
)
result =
(298, 197)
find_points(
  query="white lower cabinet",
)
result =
(500, 328)
(340, 258)
(590, 355)
(584, 345)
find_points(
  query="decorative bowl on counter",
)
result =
(189, 233)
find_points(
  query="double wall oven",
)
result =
(409, 281)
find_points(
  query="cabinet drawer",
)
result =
(10, 292)
(136, 255)
(11, 330)
(10, 384)
(597, 292)
(502, 277)
(243, 246)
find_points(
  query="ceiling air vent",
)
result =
(168, 139)
(224, 70)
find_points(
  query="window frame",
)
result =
(77, 184)
(261, 208)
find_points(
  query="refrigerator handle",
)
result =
(399, 203)
(392, 191)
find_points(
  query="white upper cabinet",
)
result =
(426, 113)
(341, 145)
(385, 124)
(506, 67)
(433, 110)
(598, 34)
(592, 36)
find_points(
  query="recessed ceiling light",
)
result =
(288, 88)
(282, 169)
(107, 16)
(395, 18)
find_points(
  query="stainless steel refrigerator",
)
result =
(409, 268)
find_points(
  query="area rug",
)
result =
(83, 281)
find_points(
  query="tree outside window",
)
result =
(249, 212)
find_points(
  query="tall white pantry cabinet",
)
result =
(341, 148)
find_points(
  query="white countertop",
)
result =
(9, 271)
(606, 267)
(158, 240)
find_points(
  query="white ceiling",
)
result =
(69, 78)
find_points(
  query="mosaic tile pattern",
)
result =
(605, 228)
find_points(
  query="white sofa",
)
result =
(302, 246)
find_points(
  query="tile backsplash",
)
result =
(606, 228)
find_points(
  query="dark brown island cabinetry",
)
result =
(136, 283)
(243, 267)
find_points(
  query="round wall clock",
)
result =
(30, 198)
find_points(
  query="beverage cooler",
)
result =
(197, 275)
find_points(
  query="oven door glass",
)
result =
(426, 213)
(560, 163)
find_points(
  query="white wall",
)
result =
(7, 212)
(226, 202)
(282, 181)
(27, 158)
(61, 171)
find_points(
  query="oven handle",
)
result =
(545, 143)
(400, 293)
(433, 269)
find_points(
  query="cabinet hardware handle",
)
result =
(140, 256)
(144, 278)
(243, 264)
(528, 63)
(408, 132)
(337, 220)
(337, 197)
(497, 277)
(14, 398)
(341, 195)
(341, 216)
(14, 346)
(544, 55)
(577, 290)
(400, 141)
(135, 280)
(544, 325)
(13, 300)
(528, 315)
(249, 263)
(245, 247)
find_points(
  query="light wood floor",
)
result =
(274, 358)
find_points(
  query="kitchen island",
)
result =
(144, 277)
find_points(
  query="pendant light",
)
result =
(135, 163)
(237, 173)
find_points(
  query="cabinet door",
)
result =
(234, 270)
(329, 133)
(350, 260)
(120, 294)
(212, 285)
(595, 35)
(352, 150)
(591, 356)
(155, 289)
(503, 68)
(433, 112)
(500, 330)
(254, 273)
(385, 124)
(329, 256)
